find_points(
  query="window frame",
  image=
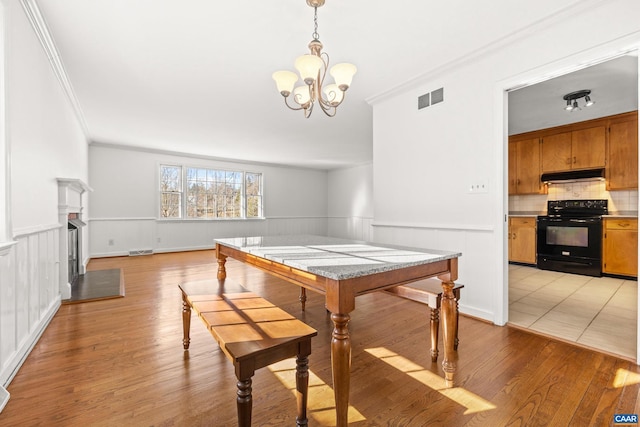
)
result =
(184, 207)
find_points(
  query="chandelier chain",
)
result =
(315, 34)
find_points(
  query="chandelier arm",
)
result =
(290, 107)
(328, 110)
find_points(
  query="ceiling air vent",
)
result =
(431, 98)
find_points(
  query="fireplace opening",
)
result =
(74, 268)
(73, 226)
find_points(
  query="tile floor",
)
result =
(599, 312)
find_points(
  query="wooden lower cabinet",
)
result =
(620, 246)
(522, 239)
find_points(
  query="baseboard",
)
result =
(474, 312)
(4, 398)
(19, 356)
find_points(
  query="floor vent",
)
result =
(141, 252)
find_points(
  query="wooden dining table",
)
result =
(341, 270)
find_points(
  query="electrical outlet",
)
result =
(478, 187)
(110, 242)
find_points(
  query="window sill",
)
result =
(209, 219)
(5, 247)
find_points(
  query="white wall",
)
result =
(125, 207)
(425, 161)
(351, 202)
(46, 142)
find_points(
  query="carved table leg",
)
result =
(303, 297)
(435, 329)
(341, 366)
(448, 314)
(222, 272)
(244, 403)
(186, 322)
(302, 387)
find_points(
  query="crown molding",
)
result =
(32, 10)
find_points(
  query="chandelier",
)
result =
(313, 69)
(572, 103)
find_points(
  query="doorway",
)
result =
(596, 312)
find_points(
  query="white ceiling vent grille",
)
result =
(431, 98)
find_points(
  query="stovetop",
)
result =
(565, 208)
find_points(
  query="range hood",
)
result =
(573, 176)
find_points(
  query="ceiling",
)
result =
(194, 76)
(613, 85)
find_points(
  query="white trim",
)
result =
(4, 398)
(74, 184)
(5, 247)
(5, 157)
(17, 359)
(41, 29)
(472, 227)
(27, 231)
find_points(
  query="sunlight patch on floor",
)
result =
(625, 377)
(321, 404)
(471, 401)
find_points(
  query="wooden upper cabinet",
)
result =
(622, 168)
(578, 149)
(524, 167)
(588, 147)
(556, 152)
(528, 166)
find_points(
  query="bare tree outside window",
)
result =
(170, 191)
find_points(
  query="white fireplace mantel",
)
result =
(70, 191)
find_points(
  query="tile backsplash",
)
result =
(618, 200)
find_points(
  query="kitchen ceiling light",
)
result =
(572, 99)
(313, 68)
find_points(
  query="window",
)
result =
(209, 193)
(170, 191)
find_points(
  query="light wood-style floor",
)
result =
(120, 362)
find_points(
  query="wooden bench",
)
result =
(253, 333)
(429, 291)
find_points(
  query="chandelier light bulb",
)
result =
(285, 80)
(333, 94)
(302, 95)
(343, 74)
(308, 66)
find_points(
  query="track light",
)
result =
(572, 99)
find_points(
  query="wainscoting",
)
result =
(121, 236)
(29, 295)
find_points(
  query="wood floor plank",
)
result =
(121, 362)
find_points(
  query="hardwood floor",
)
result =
(120, 362)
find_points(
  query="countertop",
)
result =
(613, 214)
(335, 258)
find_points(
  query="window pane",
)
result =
(170, 205)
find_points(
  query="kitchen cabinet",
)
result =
(522, 239)
(620, 246)
(524, 167)
(622, 167)
(577, 149)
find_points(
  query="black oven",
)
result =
(569, 238)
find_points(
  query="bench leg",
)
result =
(303, 297)
(186, 322)
(302, 387)
(244, 403)
(435, 329)
(455, 341)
